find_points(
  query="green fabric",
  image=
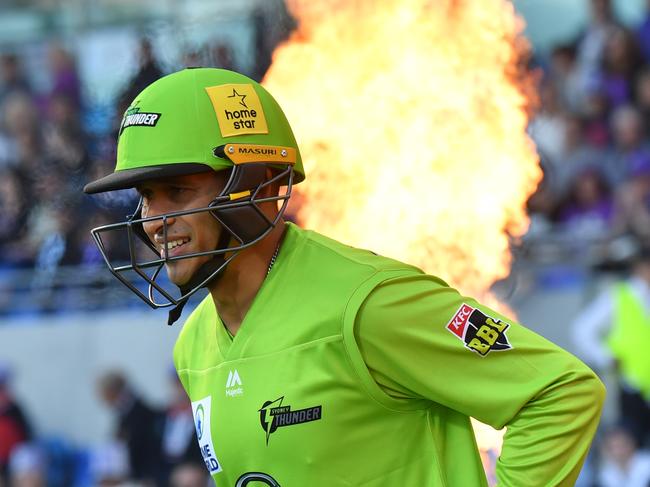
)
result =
(548, 399)
(628, 338)
(381, 392)
(186, 126)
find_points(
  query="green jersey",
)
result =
(351, 369)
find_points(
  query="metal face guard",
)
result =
(228, 209)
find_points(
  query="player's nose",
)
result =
(155, 229)
(155, 226)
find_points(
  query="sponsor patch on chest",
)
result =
(201, 410)
(479, 332)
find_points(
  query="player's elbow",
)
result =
(597, 388)
(590, 393)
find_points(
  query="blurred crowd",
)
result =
(50, 146)
(46, 157)
(148, 446)
(592, 132)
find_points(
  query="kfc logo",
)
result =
(458, 323)
(479, 332)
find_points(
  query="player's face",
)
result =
(187, 234)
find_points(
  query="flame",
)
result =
(411, 116)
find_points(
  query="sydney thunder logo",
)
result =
(134, 117)
(274, 415)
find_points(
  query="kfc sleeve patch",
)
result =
(479, 332)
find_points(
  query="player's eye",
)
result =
(144, 193)
(179, 193)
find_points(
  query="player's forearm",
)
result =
(548, 440)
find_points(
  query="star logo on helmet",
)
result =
(242, 98)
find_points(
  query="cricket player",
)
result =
(312, 363)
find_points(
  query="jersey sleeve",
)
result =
(421, 339)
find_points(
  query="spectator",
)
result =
(577, 155)
(623, 464)
(222, 56)
(620, 65)
(21, 121)
(192, 59)
(588, 211)
(65, 142)
(642, 98)
(633, 200)
(643, 34)
(46, 223)
(272, 24)
(14, 428)
(28, 466)
(548, 128)
(564, 75)
(179, 442)
(137, 426)
(612, 332)
(11, 76)
(148, 72)
(596, 119)
(591, 44)
(629, 143)
(189, 475)
(58, 248)
(65, 79)
(19, 114)
(14, 203)
(109, 465)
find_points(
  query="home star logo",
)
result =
(241, 98)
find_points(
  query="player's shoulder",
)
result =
(336, 251)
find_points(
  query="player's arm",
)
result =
(422, 339)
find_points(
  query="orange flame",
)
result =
(411, 116)
(411, 120)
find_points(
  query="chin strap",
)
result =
(175, 313)
(204, 272)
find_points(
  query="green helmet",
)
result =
(189, 122)
(178, 124)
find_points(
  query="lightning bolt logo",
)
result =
(269, 425)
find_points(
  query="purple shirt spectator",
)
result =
(65, 80)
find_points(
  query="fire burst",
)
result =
(411, 117)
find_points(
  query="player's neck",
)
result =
(234, 293)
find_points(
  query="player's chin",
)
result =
(179, 273)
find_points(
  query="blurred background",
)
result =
(88, 395)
